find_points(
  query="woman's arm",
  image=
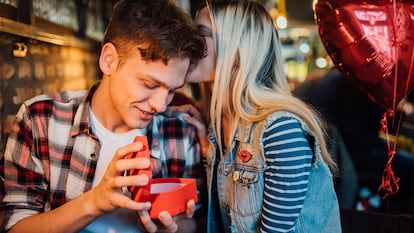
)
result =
(288, 160)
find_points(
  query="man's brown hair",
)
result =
(160, 29)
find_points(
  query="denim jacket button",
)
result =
(236, 176)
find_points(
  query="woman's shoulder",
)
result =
(285, 120)
(282, 116)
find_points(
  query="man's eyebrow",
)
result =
(152, 78)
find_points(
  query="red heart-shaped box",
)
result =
(172, 195)
(165, 194)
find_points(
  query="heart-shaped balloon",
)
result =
(372, 43)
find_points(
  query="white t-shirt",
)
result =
(121, 220)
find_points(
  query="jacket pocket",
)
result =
(247, 190)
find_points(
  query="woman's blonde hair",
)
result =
(250, 82)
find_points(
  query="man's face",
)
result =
(138, 89)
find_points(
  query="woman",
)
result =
(268, 166)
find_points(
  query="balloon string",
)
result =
(389, 182)
(410, 71)
(395, 50)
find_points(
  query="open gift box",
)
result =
(165, 194)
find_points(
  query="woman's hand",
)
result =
(195, 118)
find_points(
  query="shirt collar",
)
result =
(81, 122)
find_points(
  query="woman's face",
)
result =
(205, 67)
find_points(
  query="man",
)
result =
(64, 163)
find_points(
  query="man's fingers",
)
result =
(124, 151)
(137, 180)
(138, 206)
(149, 225)
(190, 208)
(133, 163)
(168, 222)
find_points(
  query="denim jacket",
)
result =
(243, 185)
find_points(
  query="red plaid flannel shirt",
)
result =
(51, 154)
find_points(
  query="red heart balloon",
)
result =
(371, 43)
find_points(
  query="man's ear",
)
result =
(108, 60)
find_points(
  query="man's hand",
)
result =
(169, 223)
(108, 194)
(106, 197)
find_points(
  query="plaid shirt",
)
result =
(52, 153)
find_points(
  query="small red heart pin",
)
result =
(244, 156)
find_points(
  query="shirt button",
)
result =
(155, 151)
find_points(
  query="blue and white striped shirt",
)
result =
(288, 159)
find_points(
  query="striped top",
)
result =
(288, 164)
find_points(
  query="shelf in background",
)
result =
(37, 33)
